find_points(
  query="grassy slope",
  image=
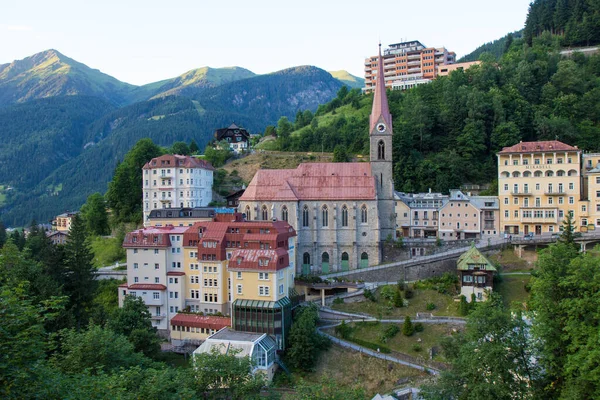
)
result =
(247, 166)
(349, 79)
(444, 304)
(352, 369)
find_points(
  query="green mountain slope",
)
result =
(190, 83)
(253, 103)
(50, 73)
(39, 136)
(348, 79)
(496, 47)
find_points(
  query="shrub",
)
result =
(407, 328)
(419, 327)
(409, 292)
(344, 330)
(430, 306)
(369, 295)
(417, 347)
(398, 300)
(388, 332)
(387, 292)
(338, 300)
(463, 306)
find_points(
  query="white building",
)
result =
(176, 181)
(155, 271)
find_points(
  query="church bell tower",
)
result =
(381, 133)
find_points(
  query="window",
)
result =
(363, 214)
(516, 201)
(263, 276)
(239, 289)
(280, 289)
(571, 186)
(239, 274)
(135, 266)
(248, 215)
(344, 215)
(506, 200)
(284, 213)
(584, 208)
(156, 295)
(265, 214)
(506, 187)
(381, 150)
(136, 279)
(305, 216)
(325, 216)
(536, 161)
(571, 200)
(506, 214)
(157, 280)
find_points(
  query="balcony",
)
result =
(521, 193)
(555, 193)
(158, 317)
(154, 302)
(415, 62)
(412, 70)
(166, 200)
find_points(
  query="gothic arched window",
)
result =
(265, 213)
(325, 216)
(305, 216)
(381, 150)
(248, 215)
(284, 213)
(344, 215)
(363, 214)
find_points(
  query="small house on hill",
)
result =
(476, 274)
(238, 138)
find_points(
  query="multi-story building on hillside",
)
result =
(238, 138)
(62, 222)
(174, 181)
(417, 214)
(406, 65)
(468, 217)
(445, 70)
(180, 216)
(213, 267)
(538, 184)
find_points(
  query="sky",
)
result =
(146, 41)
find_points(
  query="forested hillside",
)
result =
(576, 21)
(446, 133)
(102, 141)
(497, 47)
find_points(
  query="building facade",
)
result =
(445, 70)
(406, 65)
(62, 222)
(238, 138)
(476, 275)
(174, 181)
(538, 184)
(180, 216)
(340, 211)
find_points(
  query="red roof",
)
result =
(175, 273)
(147, 286)
(542, 146)
(152, 236)
(123, 285)
(250, 257)
(200, 321)
(177, 161)
(313, 181)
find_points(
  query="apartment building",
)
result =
(174, 181)
(468, 217)
(590, 220)
(407, 64)
(538, 184)
(62, 222)
(155, 271)
(238, 138)
(180, 216)
(189, 268)
(422, 220)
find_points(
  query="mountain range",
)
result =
(64, 126)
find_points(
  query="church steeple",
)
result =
(380, 108)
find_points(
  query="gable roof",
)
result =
(473, 256)
(176, 161)
(541, 147)
(313, 181)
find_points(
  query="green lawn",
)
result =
(417, 345)
(107, 251)
(512, 289)
(444, 306)
(510, 262)
(351, 369)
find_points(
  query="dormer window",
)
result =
(134, 239)
(238, 260)
(155, 239)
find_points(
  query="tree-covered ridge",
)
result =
(447, 133)
(497, 47)
(576, 21)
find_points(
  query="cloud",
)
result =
(16, 28)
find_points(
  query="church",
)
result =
(342, 212)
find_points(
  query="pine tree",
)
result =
(194, 147)
(79, 272)
(408, 329)
(95, 215)
(2, 234)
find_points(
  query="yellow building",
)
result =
(62, 222)
(538, 184)
(591, 184)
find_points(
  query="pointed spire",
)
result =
(380, 103)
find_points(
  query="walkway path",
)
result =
(325, 312)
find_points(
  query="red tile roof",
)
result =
(175, 273)
(200, 321)
(147, 286)
(542, 146)
(313, 181)
(250, 257)
(152, 236)
(176, 161)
